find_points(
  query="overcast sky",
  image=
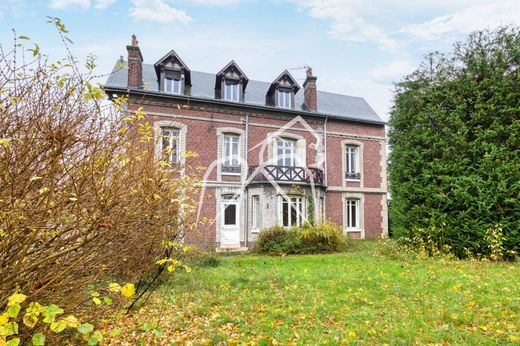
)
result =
(355, 47)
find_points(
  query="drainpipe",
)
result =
(325, 150)
(246, 194)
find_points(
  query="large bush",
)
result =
(455, 138)
(306, 239)
(82, 196)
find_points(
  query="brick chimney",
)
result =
(135, 65)
(309, 91)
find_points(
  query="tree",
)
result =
(83, 197)
(455, 139)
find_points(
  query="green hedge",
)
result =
(307, 239)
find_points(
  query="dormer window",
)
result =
(284, 99)
(231, 91)
(231, 83)
(172, 85)
(282, 90)
(173, 75)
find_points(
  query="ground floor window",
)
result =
(352, 212)
(255, 219)
(291, 211)
(230, 211)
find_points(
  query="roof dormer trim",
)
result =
(159, 66)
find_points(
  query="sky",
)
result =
(355, 47)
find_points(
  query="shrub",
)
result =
(306, 239)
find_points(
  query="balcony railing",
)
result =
(352, 176)
(230, 169)
(289, 174)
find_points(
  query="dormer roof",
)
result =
(173, 61)
(231, 71)
(284, 80)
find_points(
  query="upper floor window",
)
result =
(172, 85)
(170, 144)
(284, 99)
(286, 152)
(231, 156)
(352, 212)
(231, 91)
(352, 170)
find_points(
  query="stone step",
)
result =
(232, 249)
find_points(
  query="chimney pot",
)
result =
(310, 92)
(135, 64)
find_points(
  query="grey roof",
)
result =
(340, 106)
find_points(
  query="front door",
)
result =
(230, 231)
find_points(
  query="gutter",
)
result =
(142, 92)
(246, 190)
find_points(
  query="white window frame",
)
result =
(231, 92)
(256, 220)
(231, 144)
(350, 216)
(228, 201)
(288, 155)
(296, 202)
(172, 85)
(173, 157)
(284, 99)
(352, 153)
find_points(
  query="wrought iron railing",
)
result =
(290, 174)
(230, 169)
(353, 176)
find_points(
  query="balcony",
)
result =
(352, 176)
(286, 174)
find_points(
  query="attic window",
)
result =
(284, 99)
(172, 86)
(231, 90)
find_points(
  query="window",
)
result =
(352, 162)
(172, 86)
(352, 221)
(230, 151)
(230, 206)
(170, 145)
(292, 211)
(255, 220)
(231, 91)
(284, 99)
(285, 152)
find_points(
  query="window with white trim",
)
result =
(352, 214)
(170, 144)
(352, 162)
(172, 85)
(230, 150)
(286, 152)
(284, 99)
(292, 211)
(231, 91)
(255, 219)
(230, 206)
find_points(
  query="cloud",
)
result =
(348, 21)
(83, 4)
(63, 4)
(393, 69)
(102, 4)
(215, 2)
(157, 11)
(479, 16)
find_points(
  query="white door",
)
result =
(229, 230)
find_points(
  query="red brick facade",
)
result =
(204, 123)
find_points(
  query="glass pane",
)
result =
(285, 213)
(354, 211)
(230, 214)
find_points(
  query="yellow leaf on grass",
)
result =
(114, 287)
(4, 318)
(128, 290)
(96, 300)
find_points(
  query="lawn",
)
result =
(351, 298)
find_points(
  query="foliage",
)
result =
(454, 132)
(83, 197)
(43, 319)
(322, 238)
(353, 298)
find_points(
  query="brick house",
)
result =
(274, 153)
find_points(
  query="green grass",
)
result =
(351, 298)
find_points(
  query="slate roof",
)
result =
(202, 86)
